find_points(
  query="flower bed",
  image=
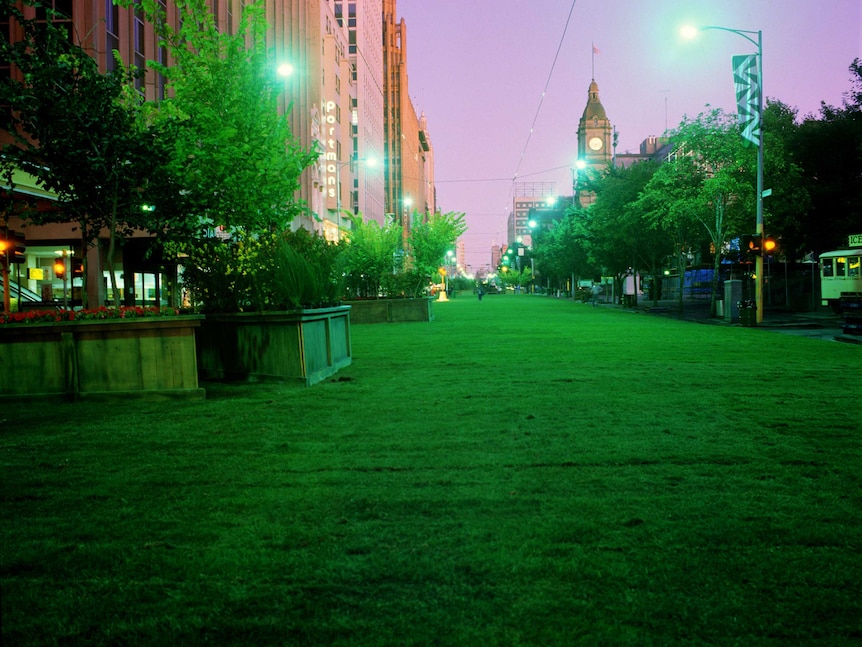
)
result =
(128, 352)
(98, 314)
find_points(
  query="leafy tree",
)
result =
(786, 209)
(515, 276)
(706, 187)
(561, 250)
(78, 133)
(370, 258)
(617, 233)
(428, 242)
(829, 150)
(237, 160)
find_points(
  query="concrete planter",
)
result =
(391, 310)
(141, 357)
(304, 346)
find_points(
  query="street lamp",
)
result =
(452, 263)
(405, 219)
(579, 166)
(691, 32)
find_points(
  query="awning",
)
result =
(28, 185)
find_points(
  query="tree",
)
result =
(237, 160)
(829, 150)
(370, 257)
(617, 233)
(560, 251)
(78, 133)
(707, 186)
(428, 242)
(786, 209)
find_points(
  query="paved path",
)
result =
(821, 324)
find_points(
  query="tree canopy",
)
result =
(77, 131)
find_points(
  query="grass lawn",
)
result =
(521, 471)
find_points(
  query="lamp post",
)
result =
(533, 224)
(408, 202)
(579, 166)
(452, 263)
(756, 39)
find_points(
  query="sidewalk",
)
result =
(822, 323)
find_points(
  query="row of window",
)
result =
(841, 267)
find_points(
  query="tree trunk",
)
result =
(716, 275)
(85, 301)
(110, 255)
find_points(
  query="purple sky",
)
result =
(478, 68)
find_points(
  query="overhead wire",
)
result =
(545, 90)
(514, 178)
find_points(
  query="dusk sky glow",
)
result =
(478, 70)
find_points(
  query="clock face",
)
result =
(596, 144)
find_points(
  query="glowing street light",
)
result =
(579, 166)
(690, 32)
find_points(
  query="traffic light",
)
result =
(19, 246)
(59, 269)
(750, 244)
(754, 244)
(77, 268)
(12, 246)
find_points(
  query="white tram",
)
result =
(840, 274)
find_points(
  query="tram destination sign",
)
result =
(854, 240)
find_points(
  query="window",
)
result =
(140, 59)
(841, 267)
(162, 55)
(60, 15)
(5, 34)
(827, 268)
(853, 266)
(112, 34)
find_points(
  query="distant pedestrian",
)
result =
(480, 292)
(595, 291)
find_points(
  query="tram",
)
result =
(840, 274)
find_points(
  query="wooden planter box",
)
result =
(142, 357)
(303, 346)
(391, 310)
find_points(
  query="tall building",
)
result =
(347, 97)
(595, 140)
(363, 20)
(321, 93)
(527, 196)
(407, 143)
(428, 175)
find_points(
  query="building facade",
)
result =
(407, 145)
(527, 198)
(375, 155)
(364, 24)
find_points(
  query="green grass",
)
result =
(521, 471)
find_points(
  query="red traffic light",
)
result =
(77, 267)
(12, 244)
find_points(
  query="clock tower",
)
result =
(595, 139)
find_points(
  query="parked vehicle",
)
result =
(840, 274)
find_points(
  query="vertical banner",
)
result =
(747, 96)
